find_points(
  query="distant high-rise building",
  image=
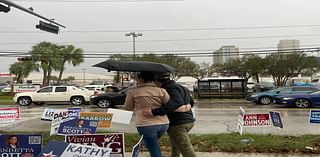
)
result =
(225, 54)
(288, 46)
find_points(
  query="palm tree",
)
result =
(71, 55)
(22, 69)
(47, 54)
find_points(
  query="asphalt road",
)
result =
(212, 117)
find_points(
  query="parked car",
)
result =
(268, 97)
(54, 94)
(263, 86)
(300, 100)
(4, 86)
(110, 99)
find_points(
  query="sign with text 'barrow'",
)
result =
(256, 120)
(103, 118)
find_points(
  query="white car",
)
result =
(54, 94)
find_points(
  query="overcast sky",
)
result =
(99, 26)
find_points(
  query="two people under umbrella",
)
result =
(162, 109)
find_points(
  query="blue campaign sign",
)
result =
(20, 145)
(78, 126)
(63, 149)
(314, 116)
(276, 119)
(136, 148)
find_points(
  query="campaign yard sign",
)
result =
(20, 145)
(115, 141)
(136, 148)
(314, 116)
(103, 118)
(276, 119)
(240, 120)
(17, 109)
(63, 149)
(78, 126)
(49, 113)
(256, 120)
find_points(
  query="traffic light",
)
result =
(48, 27)
(24, 58)
(4, 8)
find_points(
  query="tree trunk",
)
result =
(60, 75)
(44, 80)
(61, 72)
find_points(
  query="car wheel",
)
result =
(104, 103)
(24, 101)
(302, 103)
(77, 100)
(265, 100)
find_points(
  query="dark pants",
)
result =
(180, 141)
(151, 134)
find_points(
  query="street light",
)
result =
(134, 35)
(84, 76)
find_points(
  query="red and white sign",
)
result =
(256, 120)
(25, 88)
(16, 109)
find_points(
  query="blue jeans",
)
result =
(151, 134)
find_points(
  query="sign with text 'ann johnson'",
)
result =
(115, 141)
(256, 120)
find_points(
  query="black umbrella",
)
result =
(134, 66)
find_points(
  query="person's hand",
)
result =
(183, 108)
(147, 113)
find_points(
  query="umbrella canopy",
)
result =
(134, 66)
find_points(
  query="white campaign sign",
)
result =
(121, 116)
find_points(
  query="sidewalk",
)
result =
(223, 154)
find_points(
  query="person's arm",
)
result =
(129, 102)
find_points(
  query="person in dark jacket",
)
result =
(180, 116)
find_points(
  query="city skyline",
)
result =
(179, 27)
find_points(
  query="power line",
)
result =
(168, 40)
(191, 54)
(171, 30)
(94, 1)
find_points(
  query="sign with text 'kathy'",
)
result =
(115, 141)
(103, 118)
(63, 149)
(256, 120)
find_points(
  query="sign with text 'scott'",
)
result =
(115, 141)
(256, 120)
(63, 149)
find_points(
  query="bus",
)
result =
(222, 87)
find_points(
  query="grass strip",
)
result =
(227, 142)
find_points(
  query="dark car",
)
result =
(300, 100)
(110, 99)
(268, 97)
